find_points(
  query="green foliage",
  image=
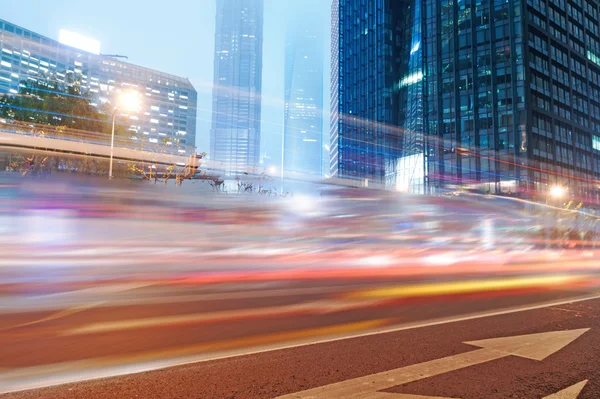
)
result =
(67, 108)
(50, 102)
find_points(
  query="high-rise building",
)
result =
(236, 110)
(364, 108)
(303, 114)
(334, 91)
(502, 97)
(168, 102)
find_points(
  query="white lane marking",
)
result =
(21, 304)
(79, 371)
(531, 346)
(102, 289)
(58, 315)
(571, 392)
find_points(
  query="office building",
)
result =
(501, 97)
(168, 102)
(364, 111)
(236, 109)
(303, 114)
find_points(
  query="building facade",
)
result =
(303, 113)
(334, 91)
(501, 97)
(236, 109)
(168, 102)
(364, 108)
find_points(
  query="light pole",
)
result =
(128, 100)
(112, 142)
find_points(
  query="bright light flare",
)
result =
(557, 192)
(129, 100)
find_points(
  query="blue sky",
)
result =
(175, 36)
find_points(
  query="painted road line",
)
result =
(20, 304)
(55, 374)
(54, 316)
(316, 307)
(82, 370)
(101, 289)
(571, 392)
(84, 293)
(532, 346)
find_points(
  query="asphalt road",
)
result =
(287, 371)
(80, 330)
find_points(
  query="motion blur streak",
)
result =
(130, 276)
(463, 287)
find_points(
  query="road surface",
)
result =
(173, 330)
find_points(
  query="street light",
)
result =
(128, 100)
(557, 192)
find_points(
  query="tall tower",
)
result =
(334, 86)
(236, 110)
(303, 115)
(502, 97)
(365, 138)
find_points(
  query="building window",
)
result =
(596, 143)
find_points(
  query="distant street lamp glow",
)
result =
(303, 204)
(129, 100)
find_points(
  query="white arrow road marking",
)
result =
(532, 346)
(571, 392)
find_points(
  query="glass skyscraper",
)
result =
(168, 114)
(303, 118)
(498, 96)
(236, 109)
(364, 108)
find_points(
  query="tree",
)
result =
(47, 106)
(47, 101)
(217, 184)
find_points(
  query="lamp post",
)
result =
(128, 100)
(112, 142)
